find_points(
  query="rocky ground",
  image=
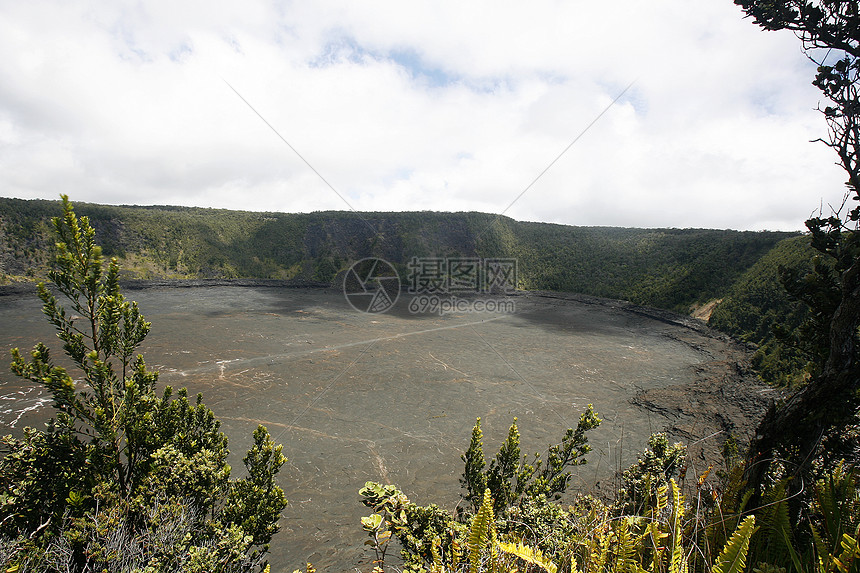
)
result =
(726, 399)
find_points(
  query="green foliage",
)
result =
(819, 290)
(508, 472)
(474, 480)
(657, 464)
(776, 539)
(659, 542)
(482, 534)
(716, 534)
(430, 536)
(835, 523)
(419, 530)
(118, 463)
(511, 478)
(530, 555)
(552, 479)
(597, 543)
(668, 268)
(732, 559)
(821, 538)
(830, 336)
(389, 517)
(254, 503)
(758, 309)
(548, 525)
(113, 544)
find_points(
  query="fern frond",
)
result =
(435, 551)
(848, 559)
(599, 561)
(828, 494)
(596, 552)
(528, 554)
(733, 557)
(662, 498)
(625, 552)
(781, 522)
(678, 562)
(657, 548)
(837, 500)
(480, 533)
(745, 498)
(629, 545)
(592, 551)
(822, 551)
(773, 524)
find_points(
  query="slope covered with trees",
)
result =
(758, 309)
(668, 268)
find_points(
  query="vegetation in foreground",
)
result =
(126, 480)
(658, 523)
(122, 478)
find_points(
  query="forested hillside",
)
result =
(668, 268)
(758, 309)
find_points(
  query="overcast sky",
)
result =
(442, 105)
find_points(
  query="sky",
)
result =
(666, 113)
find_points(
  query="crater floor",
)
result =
(393, 397)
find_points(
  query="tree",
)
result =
(659, 463)
(511, 478)
(830, 34)
(118, 461)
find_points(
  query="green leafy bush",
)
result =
(657, 464)
(587, 537)
(511, 478)
(119, 465)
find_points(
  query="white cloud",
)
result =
(405, 106)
